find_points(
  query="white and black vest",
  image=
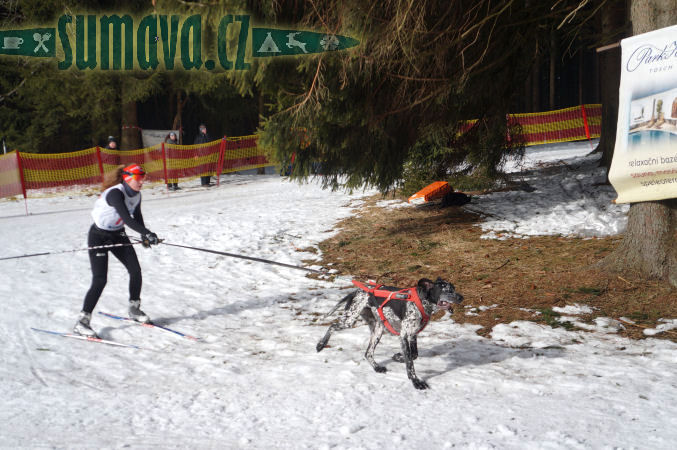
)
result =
(106, 217)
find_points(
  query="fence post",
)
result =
(164, 165)
(98, 157)
(585, 124)
(21, 177)
(219, 165)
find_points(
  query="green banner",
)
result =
(40, 42)
(273, 42)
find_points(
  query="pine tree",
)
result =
(400, 99)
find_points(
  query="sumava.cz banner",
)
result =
(644, 165)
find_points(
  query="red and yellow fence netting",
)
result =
(570, 124)
(10, 175)
(41, 170)
(170, 163)
(242, 153)
(164, 163)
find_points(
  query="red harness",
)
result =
(409, 295)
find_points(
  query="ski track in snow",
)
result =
(256, 381)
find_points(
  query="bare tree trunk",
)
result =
(554, 55)
(581, 72)
(610, 80)
(177, 124)
(131, 133)
(536, 82)
(649, 246)
(262, 170)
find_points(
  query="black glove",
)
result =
(149, 239)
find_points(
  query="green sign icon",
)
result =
(39, 42)
(273, 42)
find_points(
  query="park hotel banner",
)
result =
(644, 166)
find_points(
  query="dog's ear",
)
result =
(425, 284)
(439, 280)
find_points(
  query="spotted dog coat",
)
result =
(403, 316)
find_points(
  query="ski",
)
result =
(86, 338)
(150, 325)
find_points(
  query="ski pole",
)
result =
(68, 251)
(250, 258)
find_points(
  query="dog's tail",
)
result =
(348, 300)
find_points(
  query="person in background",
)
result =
(203, 138)
(118, 205)
(171, 138)
(112, 143)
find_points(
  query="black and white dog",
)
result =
(404, 312)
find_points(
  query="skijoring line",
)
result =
(69, 251)
(249, 258)
(162, 241)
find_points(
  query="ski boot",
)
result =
(82, 327)
(135, 312)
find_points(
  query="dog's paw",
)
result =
(398, 357)
(380, 369)
(420, 384)
(320, 346)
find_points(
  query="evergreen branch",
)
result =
(310, 91)
(487, 18)
(16, 88)
(10, 93)
(569, 17)
(404, 77)
(319, 16)
(484, 53)
(406, 107)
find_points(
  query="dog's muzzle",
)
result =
(446, 301)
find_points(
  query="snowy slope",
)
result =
(256, 380)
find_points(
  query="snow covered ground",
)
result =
(565, 195)
(255, 380)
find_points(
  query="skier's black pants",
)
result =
(98, 259)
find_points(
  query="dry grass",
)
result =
(399, 246)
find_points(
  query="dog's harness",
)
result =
(408, 295)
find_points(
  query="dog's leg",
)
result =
(346, 321)
(413, 348)
(325, 339)
(406, 346)
(413, 345)
(376, 333)
(368, 317)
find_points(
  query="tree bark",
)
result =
(536, 82)
(262, 170)
(613, 19)
(131, 133)
(554, 55)
(177, 124)
(649, 246)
